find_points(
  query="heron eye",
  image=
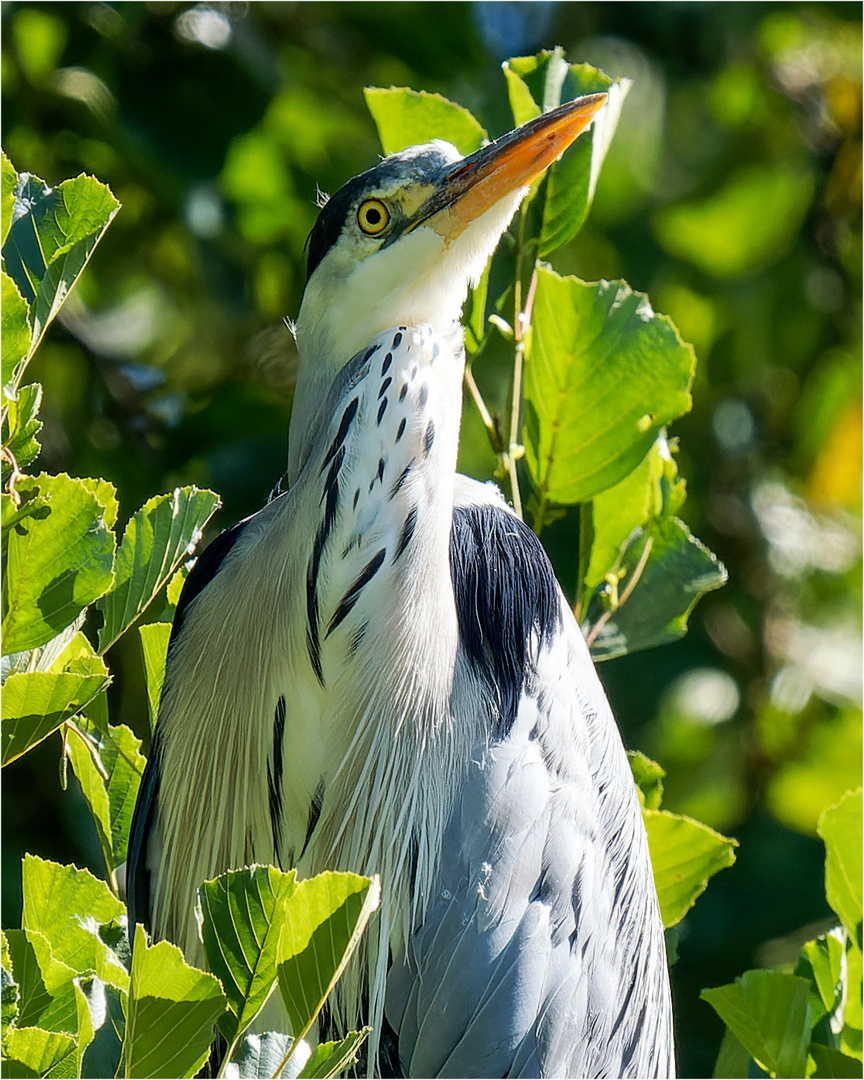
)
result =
(373, 216)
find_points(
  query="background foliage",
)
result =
(731, 194)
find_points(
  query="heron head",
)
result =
(400, 243)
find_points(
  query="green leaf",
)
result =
(10, 179)
(171, 1013)
(733, 1061)
(406, 117)
(154, 646)
(323, 922)
(70, 907)
(650, 489)
(106, 1010)
(33, 1052)
(749, 223)
(824, 958)
(828, 1062)
(157, 539)
(47, 995)
(58, 561)
(52, 236)
(36, 703)
(14, 319)
(679, 569)
(23, 426)
(769, 1013)
(603, 375)
(539, 83)
(649, 779)
(840, 828)
(10, 994)
(684, 855)
(332, 1058)
(260, 1057)
(244, 912)
(111, 792)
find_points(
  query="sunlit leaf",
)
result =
(59, 560)
(31, 1051)
(53, 234)
(36, 703)
(539, 83)
(14, 314)
(7, 199)
(830, 1062)
(407, 117)
(824, 958)
(649, 779)
(171, 1013)
(259, 1057)
(841, 829)
(154, 647)
(684, 855)
(47, 995)
(323, 923)
(603, 375)
(156, 540)
(111, 797)
(677, 571)
(244, 912)
(332, 1058)
(69, 906)
(769, 1013)
(22, 419)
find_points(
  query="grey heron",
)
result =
(378, 672)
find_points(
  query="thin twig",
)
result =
(625, 595)
(485, 415)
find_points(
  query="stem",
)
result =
(485, 415)
(625, 595)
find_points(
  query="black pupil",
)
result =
(373, 216)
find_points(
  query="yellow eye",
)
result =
(373, 216)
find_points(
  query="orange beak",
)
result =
(467, 188)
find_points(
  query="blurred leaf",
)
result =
(171, 1013)
(769, 1013)
(112, 799)
(840, 827)
(58, 561)
(733, 1061)
(332, 1058)
(36, 703)
(828, 1062)
(7, 201)
(154, 647)
(53, 234)
(244, 912)
(156, 540)
(649, 779)
(324, 919)
(678, 570)
(15, 327)
(750, 222)
(47, 994)
(407, 117)
(31, 1051)
(685, 854)
(71, 908)
(22, 418)
(603, 375)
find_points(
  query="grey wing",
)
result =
(541, 952)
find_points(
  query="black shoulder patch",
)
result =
(505, 589)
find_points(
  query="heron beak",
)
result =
(471, 186)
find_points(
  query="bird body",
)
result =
(379, 673)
